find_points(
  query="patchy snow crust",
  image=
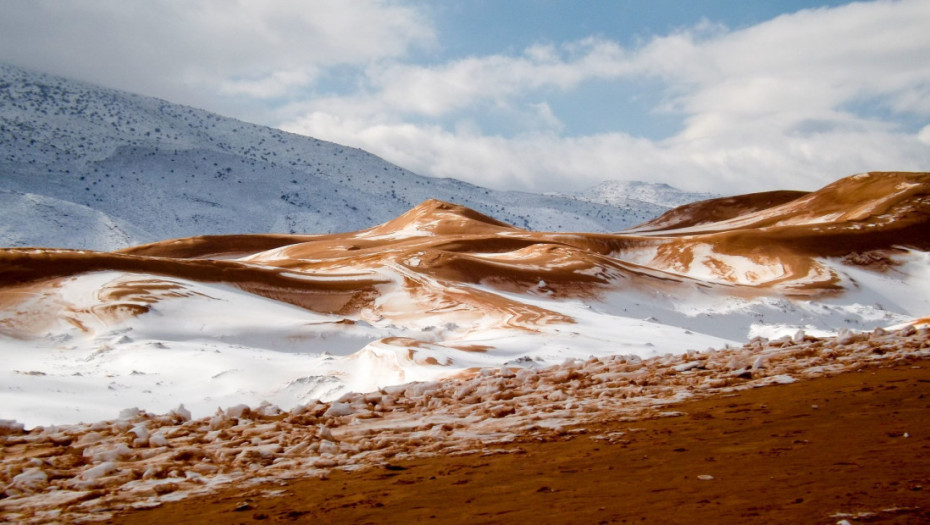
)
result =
(140, 459)
(217, 346)
(214, 345)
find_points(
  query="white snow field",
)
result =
(211, 345)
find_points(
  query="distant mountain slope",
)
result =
(618, 192)
(30, 219)
(158, 170)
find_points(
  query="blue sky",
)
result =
(493, 26)
(487, 27)
(541, 95)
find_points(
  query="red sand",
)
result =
(853, 446)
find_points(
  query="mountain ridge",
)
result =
(158, 170)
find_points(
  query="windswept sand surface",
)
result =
(851, 447)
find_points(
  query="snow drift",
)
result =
(441, 291)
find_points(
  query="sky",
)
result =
(723, 96)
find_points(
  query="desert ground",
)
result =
(850, 447)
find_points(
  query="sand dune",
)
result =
(876, 211)
(447, 276)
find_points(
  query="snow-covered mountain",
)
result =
(87, 167)
(618, 192)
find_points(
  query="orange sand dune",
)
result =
(716, 210)
(760, 243)
(870, 212)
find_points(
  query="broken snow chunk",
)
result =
(107, 453)
(349, 397)
(250, 456)
(782, 379)
(557, 395)
(238, 411)
(220, 421)
(328, 447)
(337, 409)
(845, 336)
(690, 365)
(11, 426)
(195, 477)
(326, 434)
(158, 440)
(395, 390)
(31, 479)
(372, 398)
(141, 431)
(261, 455)
(128, 413)
(181, 413)
(736, 363)
(798, 337)
(463, 391)
(437, 432)
(266, 409)
(324, 463)
(89, 438)
(421, 389)
(99, 471)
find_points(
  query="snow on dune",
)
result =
(436, 293)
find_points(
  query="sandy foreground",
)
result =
(850, 447)
(794, 430)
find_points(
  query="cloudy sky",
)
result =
(544, 95)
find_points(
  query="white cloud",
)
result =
(763, 107)
(548, 162)
(435, 91)
(276, 84)
(779, 104)
(192, 50)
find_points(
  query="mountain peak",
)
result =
(624, 191)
